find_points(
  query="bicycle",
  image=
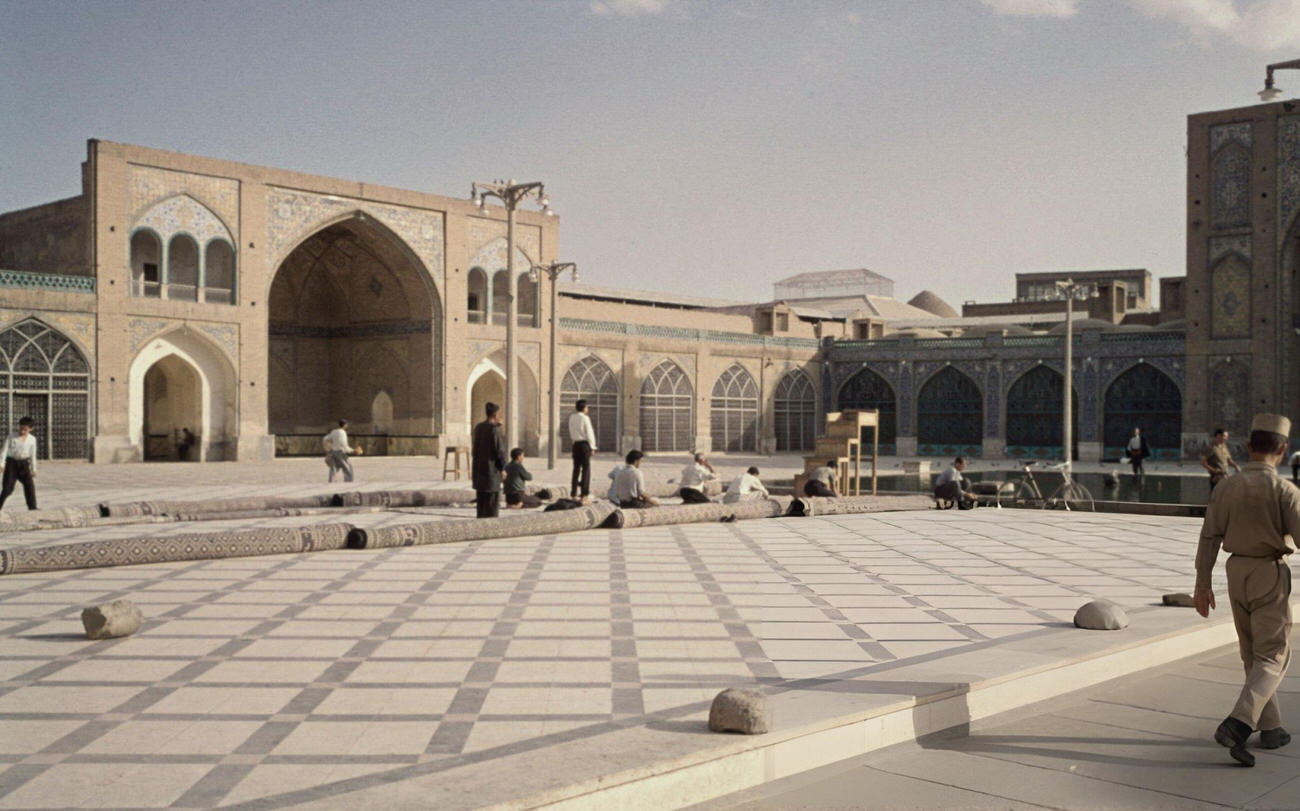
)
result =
(1026, 493)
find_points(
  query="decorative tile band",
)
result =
(684, 334)
(47, 281)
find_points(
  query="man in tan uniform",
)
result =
(1217, 459)
(1255, 516)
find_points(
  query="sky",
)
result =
(703, 147)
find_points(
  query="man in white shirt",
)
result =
(337, 450)
(694, 476)
(629, 484)
(745, 487)
(19, 463)
(951, 485)
(584, 445)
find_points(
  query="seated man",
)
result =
(821, 481)
(745, 487)
(629, 484)
(694, 475)
(517, 478)
(952, 486)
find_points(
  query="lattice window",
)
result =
(1144, 397)
(667, 410)
(949, 410)
(1034, 418)
(794, 410)
(592, 380)
(35, 363)
(733, 411)
(868, 390)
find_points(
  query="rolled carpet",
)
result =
(852, 505)
(402, 498)
(196, 546)
(481, 529)
(48, 519)
(216, 505)
(698, 513)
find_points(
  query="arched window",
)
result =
(592, 380)
(1144, 397)
(949, 415)
(667, 412)
(477, 296)
(526, 295)
(794, 409)
(182, 268)
(733, 411)
(868, 390)
(43, 376)
(381, 414)
(146, 264)
(1034, 418)
(219, 272)
(500, 297)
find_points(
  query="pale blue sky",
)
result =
(701, 147)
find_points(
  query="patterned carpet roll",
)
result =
(698, 513)
(48, 519)
(851, 505)
(402, 498)
(216, 505)
(198, 546)
(481, 529)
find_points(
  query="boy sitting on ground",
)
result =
(516, 486)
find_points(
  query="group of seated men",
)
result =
(627, 488)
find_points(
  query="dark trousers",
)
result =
(581, 469)
(692, 496)
(488, 503)
(19, 470)
(815, 488)
(1136, 461)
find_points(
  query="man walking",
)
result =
(488, 462)
(1217, 458)
(584, 445)
(18, 462)
(1137, 450)
(1255, 516)
(337, 451)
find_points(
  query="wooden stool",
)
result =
(451, 461)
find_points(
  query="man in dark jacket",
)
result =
(488, 462)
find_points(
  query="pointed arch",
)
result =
(867, 389)
(1034, 418)
(949, 415)
(667, 409)
(478, 296)
(591, 379)
(733, 411)
(1147, 398)
(43, 375)
(205, 388)
(794, 410)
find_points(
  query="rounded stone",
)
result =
(742, 710)
(118, 618)
(1100, 615)
(1181, 599)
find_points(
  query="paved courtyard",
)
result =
(423, 676)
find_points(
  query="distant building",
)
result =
(834, 284)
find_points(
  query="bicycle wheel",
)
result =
(1071, 496)
(1020, 494)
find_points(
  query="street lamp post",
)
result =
(1269, 93)
(511, 194)
(1070, 289)
(552, 272)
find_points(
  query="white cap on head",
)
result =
(1274, 423)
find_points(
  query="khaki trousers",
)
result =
(1260, 592)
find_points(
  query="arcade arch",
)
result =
(182, 381)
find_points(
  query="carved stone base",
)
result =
(258, 448)
(114, 449)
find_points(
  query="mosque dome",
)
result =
(925, 300)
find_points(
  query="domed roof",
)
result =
(925, 300)
(1080, 324)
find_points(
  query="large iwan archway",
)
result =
(353, 314)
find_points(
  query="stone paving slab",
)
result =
(1144, 741)
(389, 677)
